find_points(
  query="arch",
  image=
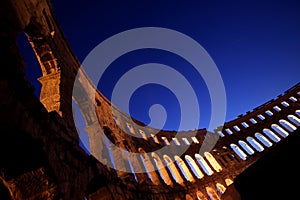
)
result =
(236, 128)
(293, 99)
(154, 137)
(276, 108)
(297, 112)
(271, 135)
(245, 125)
(195, 140)
(200, 196)
(294, 119)
(228, 131)
(166, 141)
(143, 134)
(148, 166)
(173, 170)
(268, 112)
(213, 162)
(221, 188)
(188, 197)
(285, 104)
(238, 151)
(261, 117)
(255, 144)
(194, 166)
(263, 139)
(185, 141)
(130, 128)
(287, 125)
(246, 147)
(161, 169)
(279, 130)
(176, 141)
(253, 121)
(213, 195)
(203, 164)
(221, 134)
(228, 181)
(184, 169)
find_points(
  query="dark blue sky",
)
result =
(254, 44)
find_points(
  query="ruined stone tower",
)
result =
(40, 155)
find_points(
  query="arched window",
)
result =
(297, 112)
(294, 119)
(185, 140)
(194, 166)
(253, 121)
(166, 141)
(212, 194)
(263, 140)
(213, 162)
(255, 144)
(287, 125)
(221, 188)
(195, 140)
(268, 112)
(279, 130)
(200, 195)
(143, 134)
(228, 181)
(285, 104)
(148, 165)
(236, 128)
(221, 134)
(203, 164)
(246, 147)
(131, 167)
(276, 108)
(154, 137)
(161, 169)
(176, 141)
(271, 135)
(238, 151)
(244, 124)
(261, 117)
(228, 131)
(130, 128)
(172, 168)
(184, 169)
(293, 99)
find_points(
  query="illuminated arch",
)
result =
(200, 196)
(228, 181)
(255, 144)
(148, 166)
(173, 170)
(263, 139)
(221, 188)
(279, 130)
(212, 194)
(203, 164)
(194, 166)
(238, 151)
(297, 112)
(294, 119)
(184, 169)
(161, 169)
(246, 147)
(271, 135)
(213, 162)
(287, 125)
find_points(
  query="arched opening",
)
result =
(194, 166)
(255, 144)
(246, 147)
(276, 108)
(161, 169)
(238, 151)
(188, 197)
(148, 166)
(213, 162)
(271, 135)
(131, 167)
(294, 119)
(297, 112)
(200, 196)
(184, 169)
(245, 125)
(154, 137)
(253, 121)
(228, 181)
(166, 141)
(221, 188)
(213, 195)
(175, 140)
(173, 170)
(130, 128)
(287, 125)
(195, 140)
(143, 134)
(203, 164)
(263, 139)
(186, 141)
(279, 130)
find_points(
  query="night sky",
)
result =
(254, 44)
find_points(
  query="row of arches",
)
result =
(269, 136)
(181, 169)
(261, 117)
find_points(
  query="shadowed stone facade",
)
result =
(40, 155)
